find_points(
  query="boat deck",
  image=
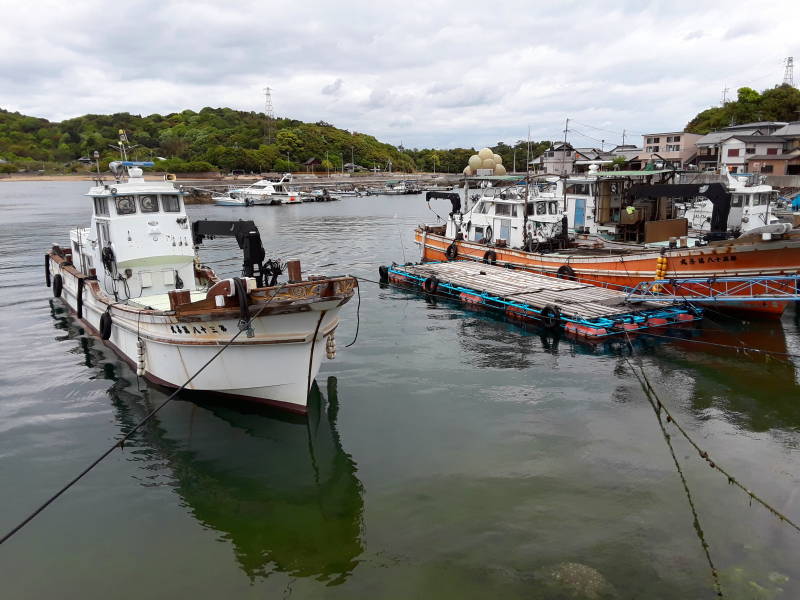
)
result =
(582, 309)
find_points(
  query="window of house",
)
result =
(568, 153)
(101, 206)
(733, 151)
(766, 169)
(772, 150)
(126, 205)
(580, 189)
(655, 149)
(749, 150)
(502, 210)
(171, 203)
(673, 147)
(148, 203)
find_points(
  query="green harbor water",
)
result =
(448, 453)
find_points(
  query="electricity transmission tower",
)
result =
(788, 73)
(269, 114)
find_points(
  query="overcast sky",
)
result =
(431, 73)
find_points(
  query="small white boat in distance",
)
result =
(134, 278)
(228, 200)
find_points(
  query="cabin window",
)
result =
(171, 203)
(581, 189)
(101, 207)
(736, 201)
(746, 200)
(541, 208)
(483, 208)
(125, 205)
(149, 203)
(502, 210)
(553, 206)
(102, 233)
(530, 210)
(478, 234)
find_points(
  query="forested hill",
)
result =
(781, 103)
(214, 138)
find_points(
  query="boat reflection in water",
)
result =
(280, 488)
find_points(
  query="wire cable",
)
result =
(121, 442)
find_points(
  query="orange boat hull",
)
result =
(779, 257)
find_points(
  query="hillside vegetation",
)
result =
(780, 103)
(215, 138)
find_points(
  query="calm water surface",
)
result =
(449, 454)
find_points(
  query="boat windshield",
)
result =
(483, 207)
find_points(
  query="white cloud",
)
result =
(437, 73)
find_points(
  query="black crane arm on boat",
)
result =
(455, 199)
(249, 240)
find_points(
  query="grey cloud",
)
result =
(333, 89)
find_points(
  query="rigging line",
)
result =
(713, 464)
(121, 442)
(695, 518)
(358, 317)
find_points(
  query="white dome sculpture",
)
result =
(498, 160)
(467, 171)
(485, 153)
(499, 170)
(488, 163)
(475, 161)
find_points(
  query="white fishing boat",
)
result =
(134, 278)
(266, 192)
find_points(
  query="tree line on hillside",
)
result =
(218, 139)
(781, 103)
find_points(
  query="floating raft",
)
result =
(581, 309)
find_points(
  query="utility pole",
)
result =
(788, 73)
(564, 148)
(725, 91)
(269, 114)
(623, 137)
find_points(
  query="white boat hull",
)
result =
(276, 366)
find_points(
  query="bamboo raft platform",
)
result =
(581, 309)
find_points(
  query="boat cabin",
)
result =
(139, 243)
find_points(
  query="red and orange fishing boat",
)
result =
(619, 229)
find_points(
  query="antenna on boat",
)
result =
(525, 235)
(96, 157)
(123, 152)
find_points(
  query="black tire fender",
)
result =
(489, 234)
(58, 285)
(490, 257)
(566, 272)
(105, 326)
(551, 316)
(383, 272)
(430, 285)
(452, 251)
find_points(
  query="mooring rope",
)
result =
(121, 442)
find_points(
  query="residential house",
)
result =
(311, 163)
(559, 158)
(708, 146)
(786, 163)
(676, 148)
(791, 133)
(735, 150)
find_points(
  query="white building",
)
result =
(735, 150)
